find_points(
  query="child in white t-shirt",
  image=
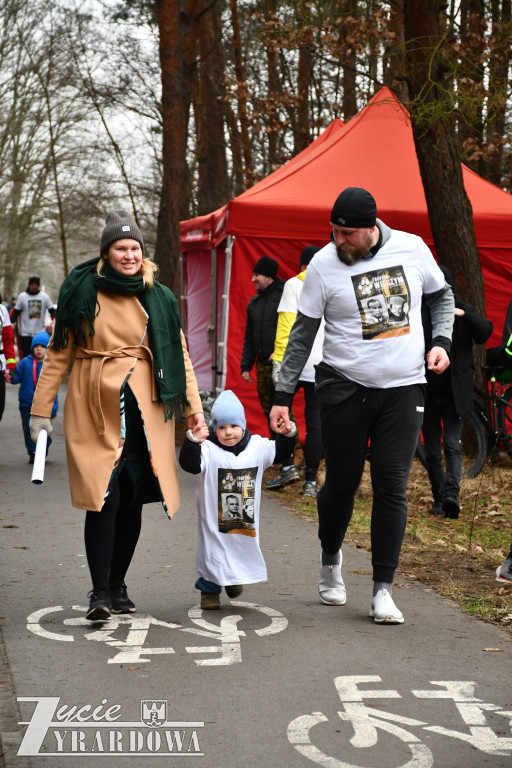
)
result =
(230, 462)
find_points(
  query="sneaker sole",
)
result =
(281, 485)
(501, 578)
(387, 619)
(99, 614)
(332, 602)
(233, 595)
(123, 610)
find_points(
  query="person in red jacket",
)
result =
(7, 358)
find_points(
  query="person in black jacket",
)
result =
(260, 329)
(502, 354)
(449, 398)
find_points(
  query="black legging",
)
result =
(112, 535)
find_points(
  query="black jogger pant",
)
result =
(391, 420)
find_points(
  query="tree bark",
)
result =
(449, 208)
(274, 88)
(235, 144)
(498, 88)
(393, 59)
(349, 65)
(470, 83)
(176, 60)
(448, 205)
(211, 144)
(242, 95)
(302, 135)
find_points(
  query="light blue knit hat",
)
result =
(227, 409)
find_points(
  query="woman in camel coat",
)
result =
(131, 371)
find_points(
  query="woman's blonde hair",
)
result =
(148, 270)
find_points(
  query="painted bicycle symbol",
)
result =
(128, 633)
(367, 721)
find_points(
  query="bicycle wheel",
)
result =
(505, 419)
(473, 443)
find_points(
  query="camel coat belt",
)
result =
(98, 360)
(115, 355)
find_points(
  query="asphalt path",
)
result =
(273, 679)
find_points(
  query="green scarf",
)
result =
(78, 306)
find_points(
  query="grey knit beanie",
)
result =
(119, 225)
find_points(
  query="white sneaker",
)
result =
(383, 609)
(331, 587)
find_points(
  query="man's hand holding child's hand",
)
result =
(281, 428)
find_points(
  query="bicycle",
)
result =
(482, 436)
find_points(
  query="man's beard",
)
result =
(350, 258)
(350, 254)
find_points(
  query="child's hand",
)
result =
(200, 432)
(281, 428)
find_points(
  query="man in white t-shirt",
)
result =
(31, 308)
(371, 381)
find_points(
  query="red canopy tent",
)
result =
(290, 209)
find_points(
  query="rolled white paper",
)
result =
(40, 457)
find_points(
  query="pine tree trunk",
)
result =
(274, 88)
(302, 135)
(449, 208)
(498, 88)
(470, 83)
(211, 144)
(242, 95)
(394, 62)
(349, 66)
(174, 21)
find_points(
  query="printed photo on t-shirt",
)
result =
(231, 506)
(236, 500)
(383, 298)
(34, 308)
